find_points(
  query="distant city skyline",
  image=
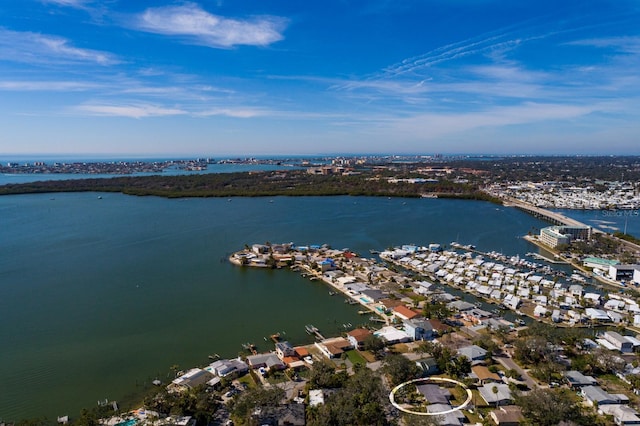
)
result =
(228, 78)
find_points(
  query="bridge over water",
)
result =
(549, 216)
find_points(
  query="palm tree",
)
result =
(494, 389)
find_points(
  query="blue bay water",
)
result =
(608, 220)
(100, 295)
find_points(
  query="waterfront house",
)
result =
(374, 294)
(260, 249)
(268, 360)
(284, 349)
(460, 305)
(334, 347)
(511, 301)
(476, 315)
(357, 337)
(191, 379)
(226, 367)
(326, 265)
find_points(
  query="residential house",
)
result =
(578, 380)
(285, 349)
(475, 354)
(428, 365)
(404, 313)
(392, 335)
(509, 415)
(357, 337)
(280, 415)
(618, 341)
(434, 394)
(596, 396)
(191, 379)
(226, 367)
(496, 394)
(596, 315)
(623, 415)
(269, 361)
(455, 418)
(485, 376)
(334, 347)
(418, 328)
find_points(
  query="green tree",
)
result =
(323, 375)
(458, 366)
(254, 399)
(548, 407)
(400, 369)
(375, 345)
(360, 402)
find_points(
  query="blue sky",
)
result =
(221, 77)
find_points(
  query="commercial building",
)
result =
(553, 236)
(624, 272)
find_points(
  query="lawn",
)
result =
(355, 357)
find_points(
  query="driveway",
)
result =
(509, 364)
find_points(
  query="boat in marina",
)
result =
(311, 329)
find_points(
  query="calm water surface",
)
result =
(608, 221)
(98, 296)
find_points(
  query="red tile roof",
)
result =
(405, 312)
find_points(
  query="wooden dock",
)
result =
(313, 331)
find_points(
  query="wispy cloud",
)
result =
(46, 86)
(197, 26)
(80, 4)
(239, 112)
(132, 111)
(619, 44)
(38, 48)
(434, 125)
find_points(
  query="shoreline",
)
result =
(571, 262)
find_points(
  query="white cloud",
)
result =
(197, 26)
(39, 48)
(132, 111)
